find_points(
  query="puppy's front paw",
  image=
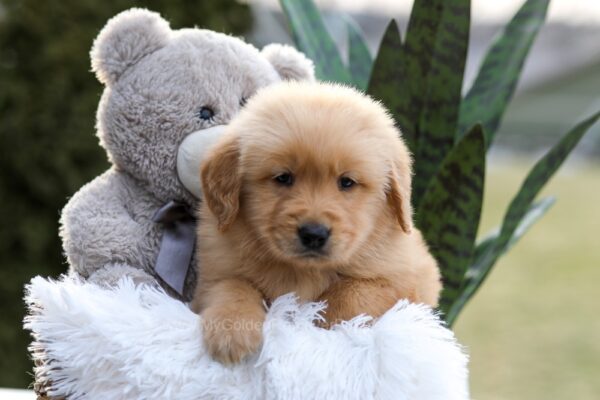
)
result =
(230, 336)
(349, 298)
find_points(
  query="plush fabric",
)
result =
(136, 342)
(156, 82)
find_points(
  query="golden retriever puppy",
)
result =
(308, 192)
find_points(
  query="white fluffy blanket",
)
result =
(138, 343)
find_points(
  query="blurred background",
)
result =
(533, 329)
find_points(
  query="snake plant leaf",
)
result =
(534, 214)
(311, 37)
(419, 45)
(543, 170)
(388, 82)
(481, 248)
(442, 93)
(449, 214)
(479, 270)
(360, 60)
(488, 97)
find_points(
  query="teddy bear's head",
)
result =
(162, 85)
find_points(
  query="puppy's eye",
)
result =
(206, 113)
(285, 179)
(346, 183)
(243, 101)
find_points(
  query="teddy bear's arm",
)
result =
(112, 273)
(99, 234)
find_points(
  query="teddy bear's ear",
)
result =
(289, 63)
(124, 40)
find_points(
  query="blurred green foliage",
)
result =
(48, 150)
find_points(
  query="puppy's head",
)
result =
(313, 171)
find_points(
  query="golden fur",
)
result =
(248, 231)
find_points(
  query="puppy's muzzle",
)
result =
(313, 236)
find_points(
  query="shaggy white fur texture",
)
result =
(138, 343)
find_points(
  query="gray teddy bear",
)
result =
(163, 87)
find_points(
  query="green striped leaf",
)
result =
(543, 170)
(388, 83)
(421, 33)
(449, 214)
(499, 73)
(479, 270)
(539, 176)
(438, 117)
(360, 60)
(534, 214)
(312, 38)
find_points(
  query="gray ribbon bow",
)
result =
(177, 246)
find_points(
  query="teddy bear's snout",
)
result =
(190, 154)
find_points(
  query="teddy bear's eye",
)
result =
(243, 101)
(206, 113)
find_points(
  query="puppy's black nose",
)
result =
(313, 236)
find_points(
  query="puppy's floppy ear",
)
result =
(290, 64)
(222, 182)
(399, 188)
